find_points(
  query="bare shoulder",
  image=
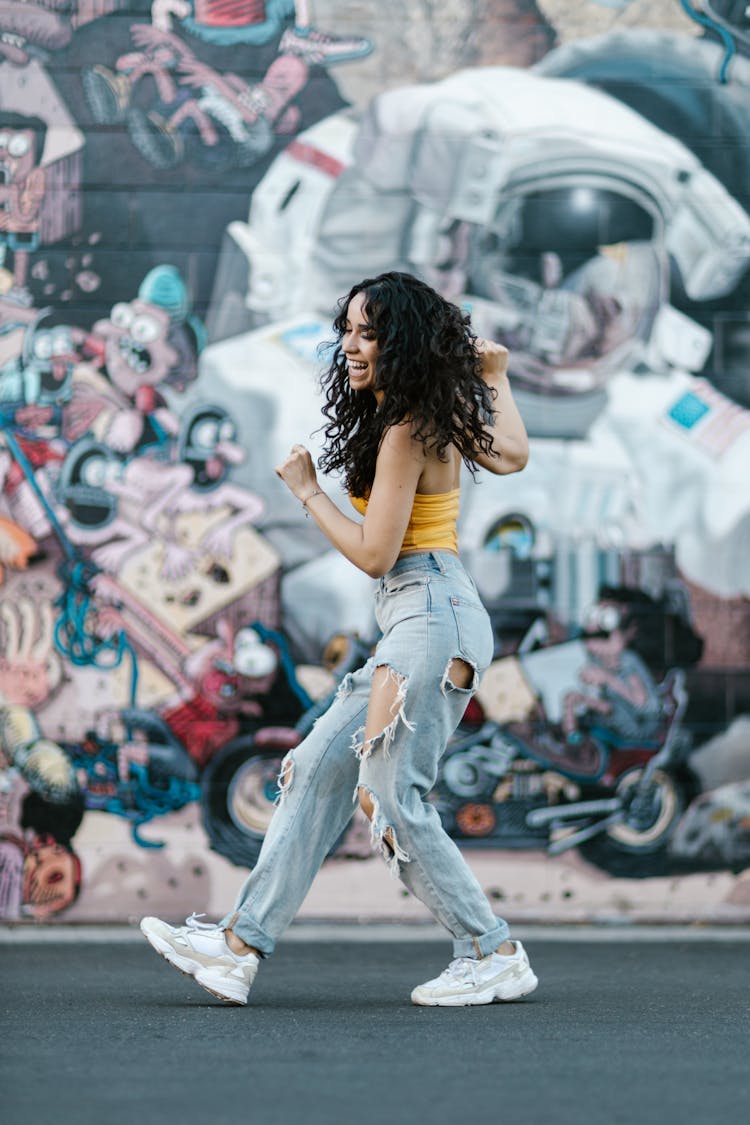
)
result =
(400, 440)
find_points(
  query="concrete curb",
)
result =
(325, 931)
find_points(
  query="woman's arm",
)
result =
(510, 443)
(374, 545)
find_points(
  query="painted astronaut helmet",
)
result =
(559, 217)
(570, 276)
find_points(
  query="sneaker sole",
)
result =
(503, 992)
(188, 967)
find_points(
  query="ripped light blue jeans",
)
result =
(430, 615)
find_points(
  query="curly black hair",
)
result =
(429, 369)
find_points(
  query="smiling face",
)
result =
(360, 347)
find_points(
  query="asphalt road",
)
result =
(618, 1032)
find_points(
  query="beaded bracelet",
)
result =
(306, 501)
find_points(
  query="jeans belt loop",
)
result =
(438, 561)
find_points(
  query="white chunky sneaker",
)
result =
(468, 980)
(199, 950)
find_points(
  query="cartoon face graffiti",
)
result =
(51, 878)
(17, 154)
(22, 189)
(137, 351)
(53, 355)
(20, 682)
(31, 25)
(247, 668)
(209, 445)
(85, 490)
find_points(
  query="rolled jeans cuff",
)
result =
(480, 946)
(247, 931)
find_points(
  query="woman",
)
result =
(410, 394)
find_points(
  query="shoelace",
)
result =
(194, 924)
(460, 969)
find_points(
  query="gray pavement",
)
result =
(625, 1028)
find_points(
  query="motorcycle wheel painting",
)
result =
(638, 845)
(239, 791)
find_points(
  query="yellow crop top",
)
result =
(432, 523)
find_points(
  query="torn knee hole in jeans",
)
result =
(459, 675)
(285, 778)
(364, 747)
(382, 836)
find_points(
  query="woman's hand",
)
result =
(494, 359)
(510, 443)
(298, 473)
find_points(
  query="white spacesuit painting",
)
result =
(562, 221)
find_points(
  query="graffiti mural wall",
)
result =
(187, 187)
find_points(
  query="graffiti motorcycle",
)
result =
(618, 801)
(535, 763)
